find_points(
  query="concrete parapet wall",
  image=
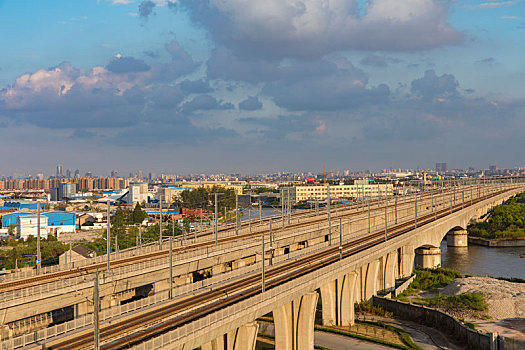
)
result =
(403, 286)
(439, 320)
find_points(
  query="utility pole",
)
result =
(271, 241)
(260, 213)
(282, 206)
(369, 216)
(38, 254)
(289, 206)
(395, 199)
(160, 226)
(386, 223)
(108, 238)
(171, 268)
(340, 239)
(415, 212)
(237, 222)
(96, 305)
(329, 217)
(263, 260)
(216, 218)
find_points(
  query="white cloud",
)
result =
(122, 2)
(510, 17)
(284, 28)
(493, 4)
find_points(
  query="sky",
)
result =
(193, 86)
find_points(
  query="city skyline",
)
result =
(210, 86)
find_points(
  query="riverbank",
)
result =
(500, 243)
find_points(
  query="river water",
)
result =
(484, 261)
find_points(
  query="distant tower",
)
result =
(59, 170)
(114, 173)
(441, 167)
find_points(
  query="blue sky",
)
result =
(237, 85)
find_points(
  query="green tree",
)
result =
(138, 214)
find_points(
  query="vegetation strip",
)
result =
(506, 221)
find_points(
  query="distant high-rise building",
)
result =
(18, 175)
(66, 190)
(77, 173)
(89, 174)
(441, 167)
(114, 173)
(40, 176)
(68, 173)
(59, 170)
(152, 176)
(493, 168)
(140, 174)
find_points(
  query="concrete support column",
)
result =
(182, 280)
(338, 301)
(238, 264)
(370, 279)
(108, 302)
(387, 271)
(83, 308)
(406, 260)
(218, 269)
(243, 338)
(457, 238)
(428, 257)
(294, 323)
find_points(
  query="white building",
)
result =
(137, 193)
(26, 225)
(305, 193)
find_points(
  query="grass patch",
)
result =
(470, 325)
(365, 306)
(405, 337)
(430, 280)
(465, 301)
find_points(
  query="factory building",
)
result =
(22, 204)
(56, 222)
(26, 225)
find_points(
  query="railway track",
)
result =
(126, 333)
(50, 277)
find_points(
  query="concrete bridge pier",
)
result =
(457, 237)
(369, 277)
(242, 338)
(428, 257)
(294, 323)
(338, 299)
(387, 268)
(405, 261)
